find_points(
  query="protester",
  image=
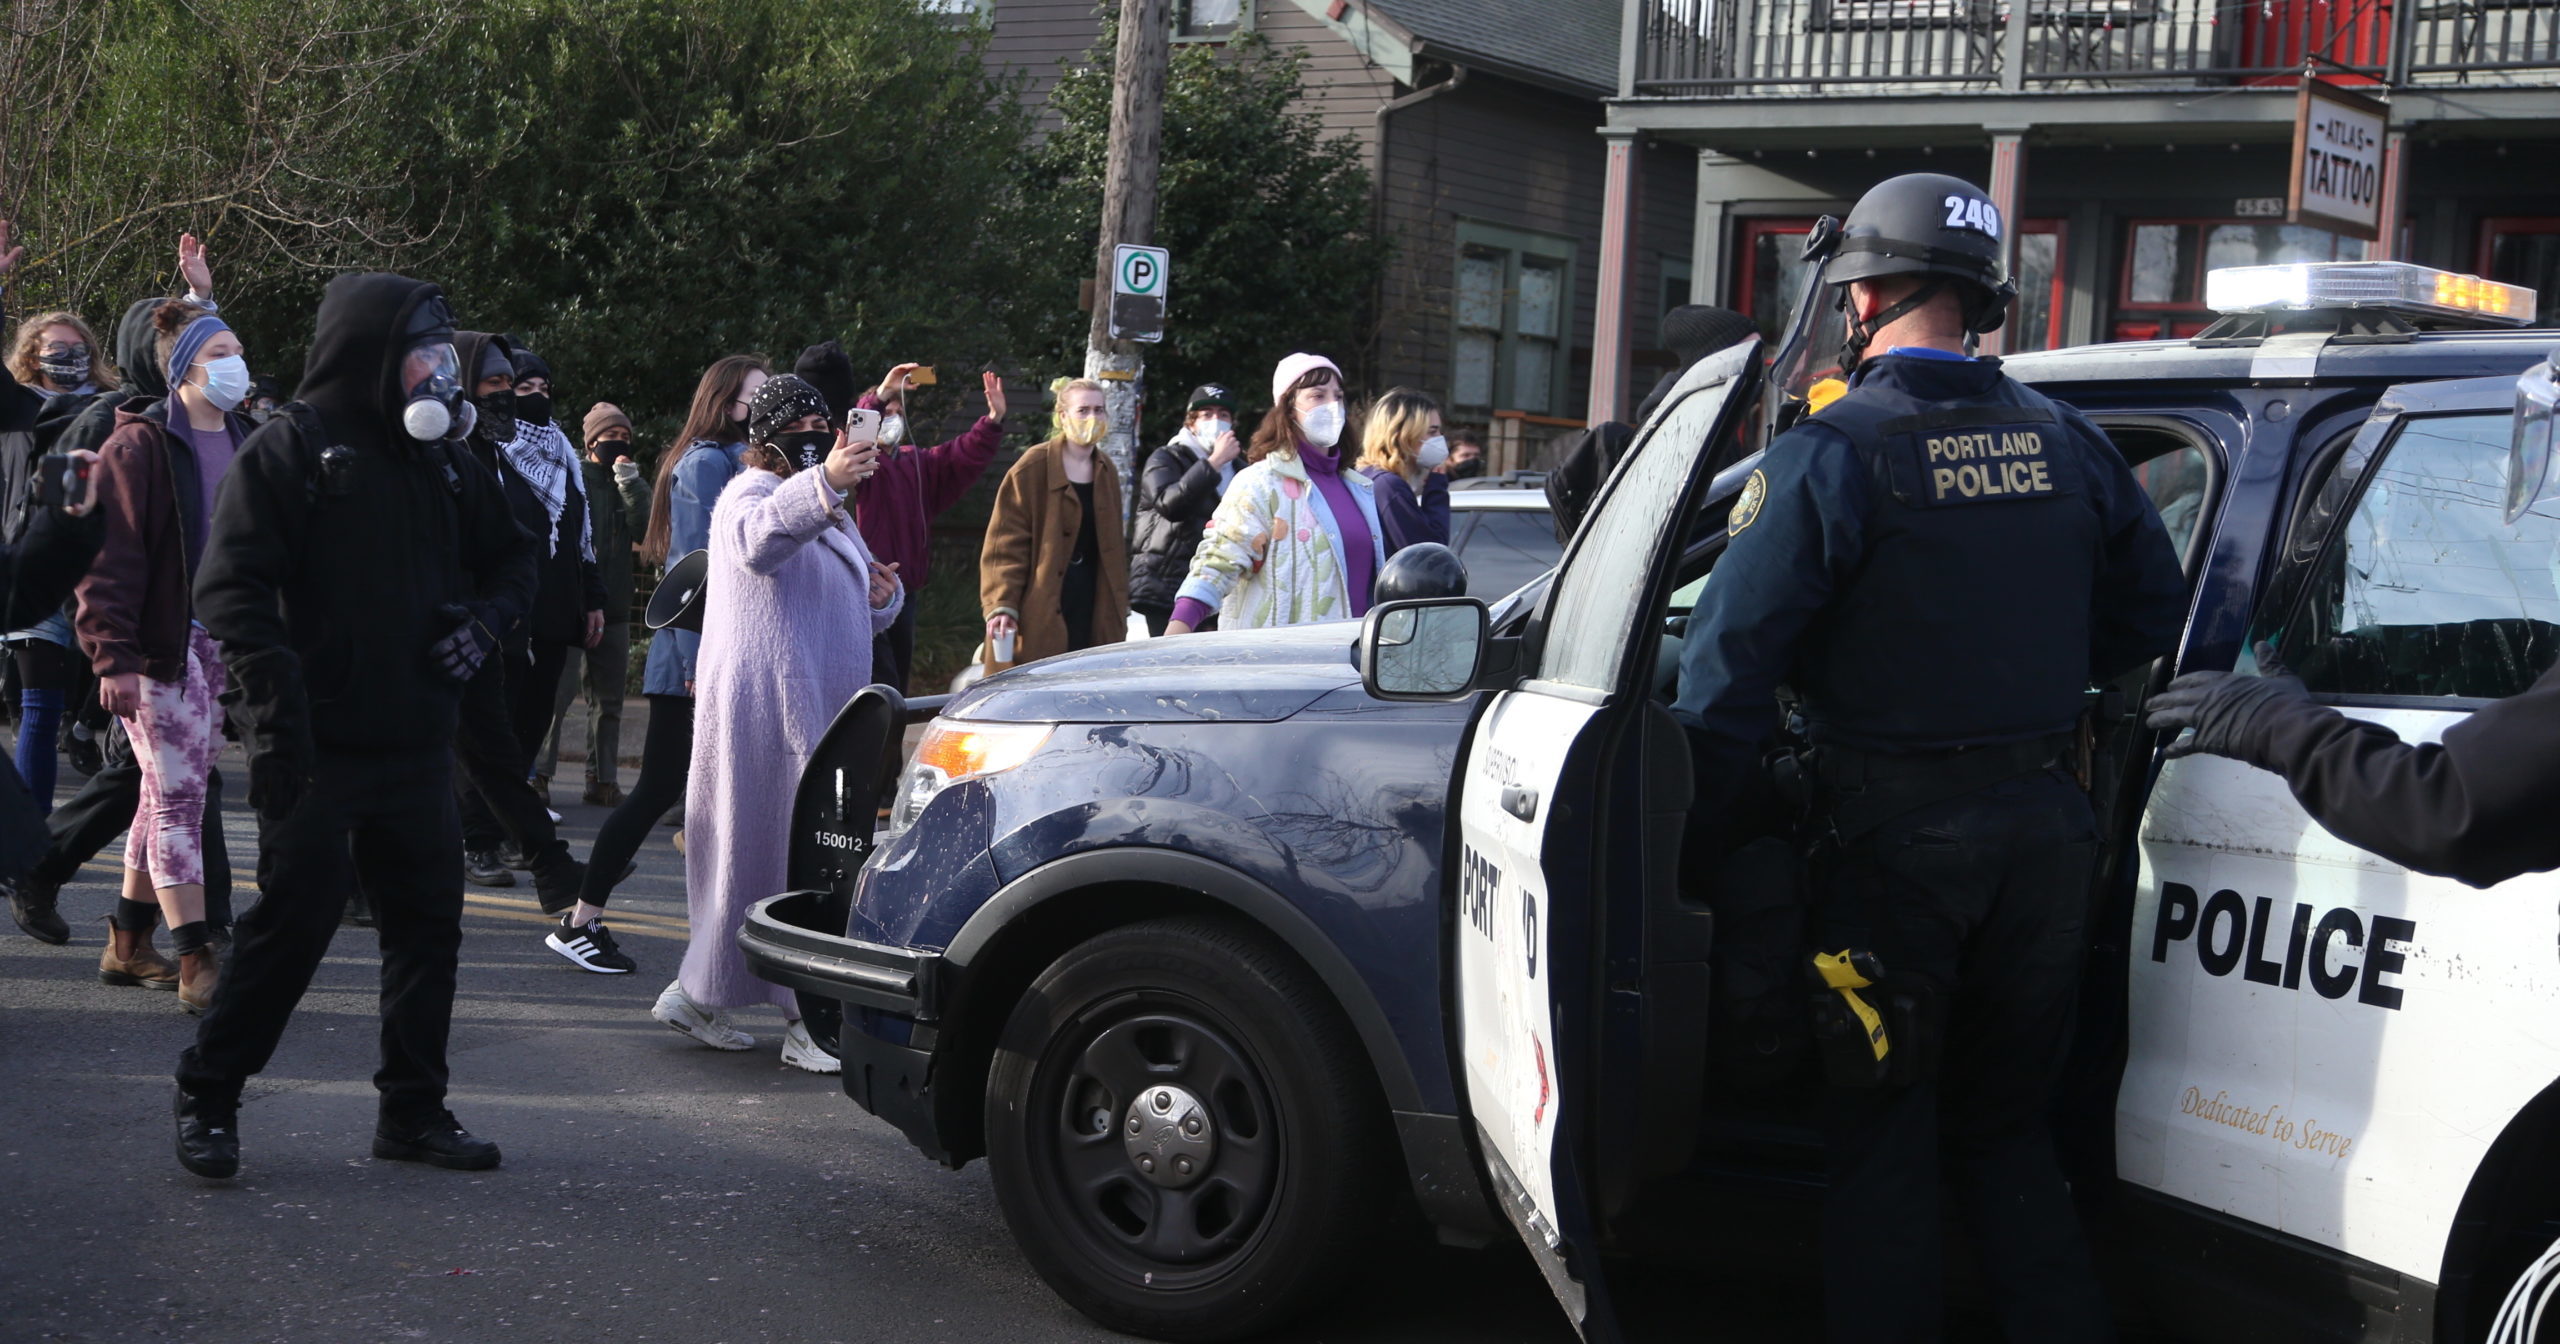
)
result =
(794, 604)
(1178, 489)
(1691, 332)
(1297, 538)
(897, 506)
(358, 569)
(56, 354)
(568, 610)
(1401, 451)
(157, 668)
(1466, 455)
(691, 474)
(1053, 573)
(105, 806)
(498, 805)
(620, 514)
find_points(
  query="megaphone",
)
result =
(677, 604)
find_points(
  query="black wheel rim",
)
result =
(1122, 1054)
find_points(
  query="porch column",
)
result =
(1710, 272)
(2395, 183)
(1610, 327)
(2008, 168)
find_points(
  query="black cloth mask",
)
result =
(65, 364)
(534, 407)
(499, 412)
(805, 448)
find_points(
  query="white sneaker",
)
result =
(800, 1050)
(707, 1025)
(554, 814)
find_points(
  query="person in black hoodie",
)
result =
(358, 571)
(498, 806)
(568, 608)
(84, 826)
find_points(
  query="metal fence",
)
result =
(1769, 47)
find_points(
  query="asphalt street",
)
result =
(652, 1188)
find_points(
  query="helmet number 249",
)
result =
(1973, 212)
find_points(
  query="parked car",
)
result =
(1214, 948)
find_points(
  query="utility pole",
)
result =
(1128, 216)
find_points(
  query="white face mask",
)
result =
(893, 428)
(1210, 431)
(1433, 452)
(1323, 425)
(226, 381)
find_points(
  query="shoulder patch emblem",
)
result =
(1746, 510)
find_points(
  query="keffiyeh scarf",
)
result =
(542, 456)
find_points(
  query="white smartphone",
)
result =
(861, 426)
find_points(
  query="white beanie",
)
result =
(1296, 367)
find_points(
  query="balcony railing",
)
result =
(1713, 48)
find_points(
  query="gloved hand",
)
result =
(459, 654)
(2232, 715)
(272, 716)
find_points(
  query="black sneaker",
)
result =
(516, 858)
(440, 1142)
(590, 947)
(484, 868)
(208, 1136)
(34, 903)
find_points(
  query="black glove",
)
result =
(2231, 714)
(272, 716)
(459, 654)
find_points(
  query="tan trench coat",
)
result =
(1030, 537)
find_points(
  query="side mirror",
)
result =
(1424, 650)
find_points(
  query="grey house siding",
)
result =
(1499, 153)
(1037, 39)
(1343, 88)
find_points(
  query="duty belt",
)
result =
(1862, 790)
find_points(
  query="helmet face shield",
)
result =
(1808, 352)
(2537, 416)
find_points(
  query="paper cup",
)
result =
(1000, 649)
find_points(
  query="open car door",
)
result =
(1542, 817)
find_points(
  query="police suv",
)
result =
(1213, 946)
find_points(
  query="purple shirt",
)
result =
(1359, 559)
(214, 450)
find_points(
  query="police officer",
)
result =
(357, 568)
(1938, 564)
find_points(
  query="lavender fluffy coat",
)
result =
(786, 641)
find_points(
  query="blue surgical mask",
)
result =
(226, 381)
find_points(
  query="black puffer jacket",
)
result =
(1177, 491)
(332, 578)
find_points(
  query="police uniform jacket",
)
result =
(1941, 558)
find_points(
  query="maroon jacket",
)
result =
(138, 599)
(895, 508)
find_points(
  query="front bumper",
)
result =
(784, 941)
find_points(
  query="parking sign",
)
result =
(1138, 281)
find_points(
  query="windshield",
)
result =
(1504, 548)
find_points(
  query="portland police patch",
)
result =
(1746, 510)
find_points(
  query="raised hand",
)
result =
(192, 267)
(9, 256)
(894, 387)
(994, 383)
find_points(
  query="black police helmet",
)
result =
(1927, 224)
(1424, 569)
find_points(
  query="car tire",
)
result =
(1163, 1023)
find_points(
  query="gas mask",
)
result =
(434, 405)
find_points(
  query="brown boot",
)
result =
(198, 973)
(605, 795)
(131, 961)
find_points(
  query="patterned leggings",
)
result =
(176, 734)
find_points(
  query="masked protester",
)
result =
(1401, 453)
(1053, 573)
(106, 805)
(568, 610)
(708, 451)
(359, 570)
(1297, 538)
(795, 600)
(1466, 455)
(499, 808)
(57, 355)
(1178, 488)
(913, 486)
(157, 668)
(621, 513)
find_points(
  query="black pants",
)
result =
(893, 651)
(1985, 898)
(103, 809)
(533, 691)
(383, 821)
(498, 806)
(666, 762)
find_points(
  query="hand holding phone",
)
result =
(861, 426)
(66, 482)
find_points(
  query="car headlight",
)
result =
(953, 751)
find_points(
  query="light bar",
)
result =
(2393, 286)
